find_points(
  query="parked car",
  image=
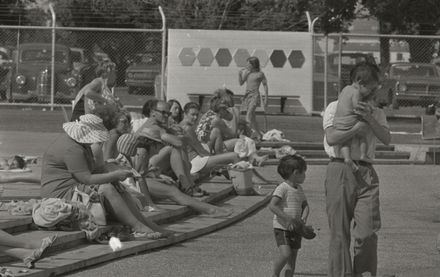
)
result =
(84, 64)
(31, 79)
(411, 84)
(6, 64)
(142, 72)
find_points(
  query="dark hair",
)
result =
(171, 102)
(191, 105)
(364, 73)
(290, 163)
(118, 115)
(20, 161)
(255, 62)
(149, 106)
(225, 94)
(107, 113)
(217, 103)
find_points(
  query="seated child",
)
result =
(245, 146)
(16, 162)
(365, 81)
(127, 146)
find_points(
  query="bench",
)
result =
(277, 104)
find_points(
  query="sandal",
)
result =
(46, 242)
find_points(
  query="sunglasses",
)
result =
(164, 113)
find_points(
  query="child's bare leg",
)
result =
(363, 148)
(180, 168)
(216, 141)
(256, 126)
(291, 262)
(280, 262)
(345, 151)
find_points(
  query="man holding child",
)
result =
(353, 194)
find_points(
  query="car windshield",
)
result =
(43, 55)
(414, 70)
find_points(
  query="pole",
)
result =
(340, 86)
(52, 77)
(162, 72)
(325, 70)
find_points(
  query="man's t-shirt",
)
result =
(371, 139)
(64, 158)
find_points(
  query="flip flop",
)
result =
(46, 242)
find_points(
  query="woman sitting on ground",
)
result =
(202, 162)
(70, 163)
(24, 249)
(167, 151)
(212, 128)
(127, 145)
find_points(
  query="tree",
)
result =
(407, 17)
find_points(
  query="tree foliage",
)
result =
(407, 17)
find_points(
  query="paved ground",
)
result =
(409, 197)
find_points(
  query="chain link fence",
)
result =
(26, 66)
(410, 79)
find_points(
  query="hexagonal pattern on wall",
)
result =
(205, 57)
(296, 58)
(187, 56)
(262, 56)
(278, 58)
(223, 57)
(241, 56)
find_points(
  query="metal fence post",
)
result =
(52, 77)
(164, 37)
(325, 71)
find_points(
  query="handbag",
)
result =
(95, 208)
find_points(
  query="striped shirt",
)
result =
(292, 200)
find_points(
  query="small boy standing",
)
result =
(290, 208)
(364, 84)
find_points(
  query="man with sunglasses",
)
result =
(167, 149)
(353, 195)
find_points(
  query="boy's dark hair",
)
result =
(364, 73)
(20, 161)
(191, 105)
(149, 106)
(290, 163)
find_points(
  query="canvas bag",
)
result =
(95, 208)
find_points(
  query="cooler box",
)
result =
(242, 180)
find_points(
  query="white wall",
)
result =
(195, 78)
